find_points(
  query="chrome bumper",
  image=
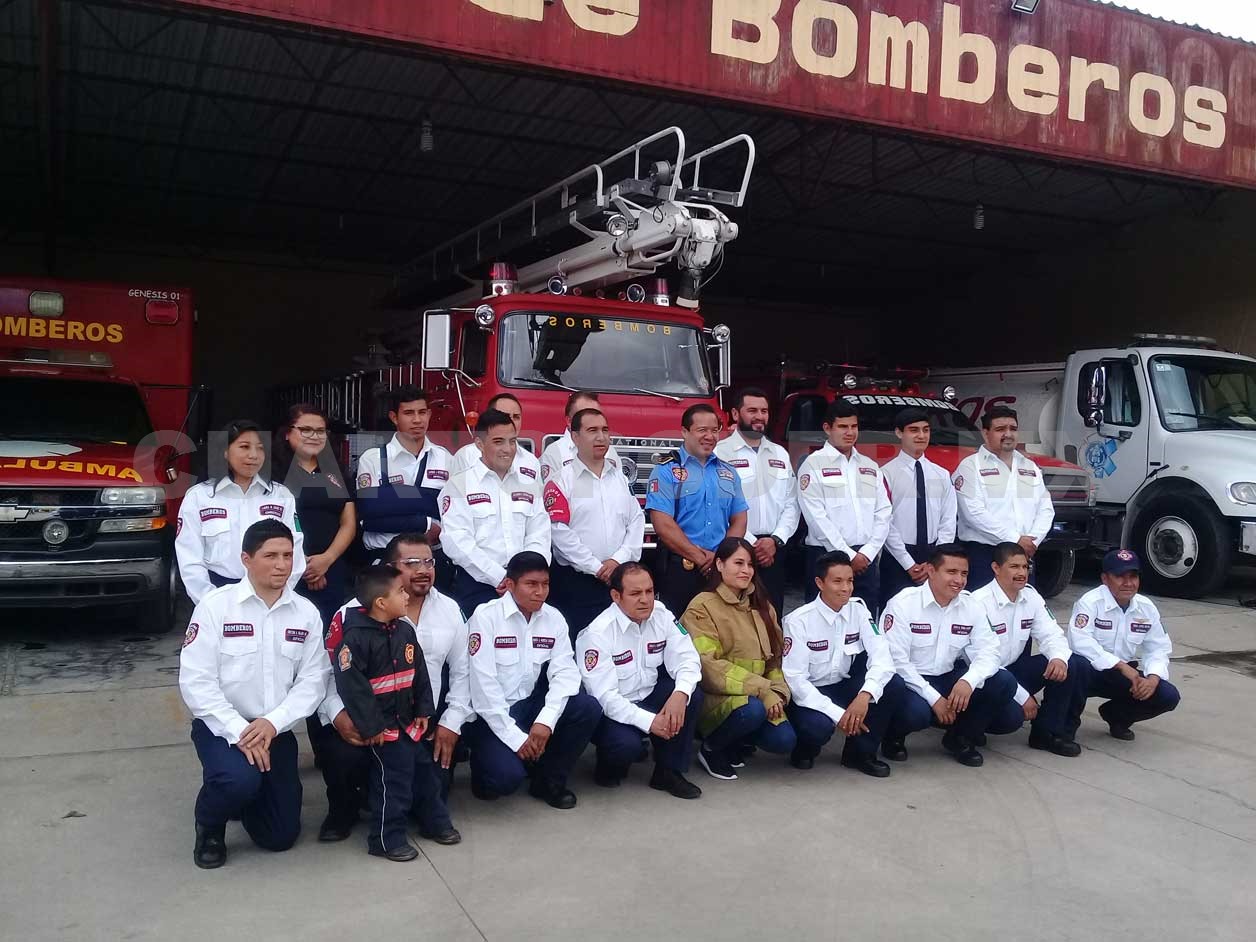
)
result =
(79, 582)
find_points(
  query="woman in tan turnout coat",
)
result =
(738, 637)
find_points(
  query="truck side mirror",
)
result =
(1098, 388)
(1094, 419)
(437, 328)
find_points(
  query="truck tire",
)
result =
(157, 614)
(1184, 546)
(1053, 571)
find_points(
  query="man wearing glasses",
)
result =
(442, 635)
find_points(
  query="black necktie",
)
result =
(922, 515)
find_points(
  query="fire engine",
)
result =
(94, 444)
(801, 396)
(592, 315)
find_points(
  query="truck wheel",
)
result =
(1184, 546)
(1053, 570)
(157, 614)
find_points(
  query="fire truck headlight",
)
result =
(850, 381)
(558, 285)
(949, 393)
(635, 293)
(721, 333)
(132, 496)
(484, 315)
(617, 225)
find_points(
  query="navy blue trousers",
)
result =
(1060, 710)
(470, 594)
(984, 705)
(347, 774)
(748, 725)
(579, 596)
(619, 745)
(867, 583)
(815, 729)
(267, 803)
(498, 770)
(1121, 707)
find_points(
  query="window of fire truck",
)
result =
(72, 411)
(605, 354)
(948, 426)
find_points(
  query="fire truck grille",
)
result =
(1067, 489)
(640, 455)
(48, 497)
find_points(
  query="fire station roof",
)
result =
(126, 122)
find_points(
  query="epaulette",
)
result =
(670, 458)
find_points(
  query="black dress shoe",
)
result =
(556, 796)
(963, 750)
(335, 829)
(665, 780)
(1052, 743)
(444, 837)
(894, 749)
(399, 854)
(1116, 729)
(801, 762)
(868, 765)
(609, 776)
(210, 851)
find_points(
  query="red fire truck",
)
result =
(96, 381)
(582, 309)
(801, 397)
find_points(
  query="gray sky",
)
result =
(1231, 17)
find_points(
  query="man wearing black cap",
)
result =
(1120, 633)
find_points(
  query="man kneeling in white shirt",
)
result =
(642, 667)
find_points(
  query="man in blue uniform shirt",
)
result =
(695, 501)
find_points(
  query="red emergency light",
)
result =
(161, 312)
(502, 280)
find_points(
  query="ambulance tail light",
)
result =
(161, 312)
(46, 304)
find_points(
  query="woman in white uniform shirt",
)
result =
(215, 513)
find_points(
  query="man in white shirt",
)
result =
(252, 667)
(534, 721)
(923, 502)
(525, 463)
(490, 511)
(769, 485)
(845, 503)
(1018, 615)
(399, 483)
(948, 655)
(562, 450)
(841, 675)
(595, 523)
(442, 635)
(1002, 497)
(1120, 633)
(642, 667)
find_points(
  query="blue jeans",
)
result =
(748, 725)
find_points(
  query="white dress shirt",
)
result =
(1104, 634)
(593, 517)
(768, 483)
(619, 661)
(209, 533)
(241, 660)
(442, 634)
(1016, 621)
(844, 502)
(485, 520)
(821, 643)
(562, 451)
(1000, 504)
(403, 466)
(926, 639)
(507, 654)
(940, 505)
(526, 463)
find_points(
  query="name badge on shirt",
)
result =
(776, 463)
(546, 643)
(271, 510)
(528, 472)
(852, 638)
(396, 479)
(989, 472)
(819, 645)
(961, 629)
(506, 641)
(237, 629)
(725, 473)
(436, 474)
(1027, 472)
(479, 499)
(1026, 624)
(1140, 627)
(918, 628)
(1100, 623)
(523, 496)
(871, 471)
(1000, 628)
(213, 513)
(740, 463)
(624, 657)
(831, 472)
(654, 647)
(296, 634)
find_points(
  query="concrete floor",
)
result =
(1129, 840)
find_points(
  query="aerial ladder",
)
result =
(618, 220)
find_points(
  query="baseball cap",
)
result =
(1118, 561)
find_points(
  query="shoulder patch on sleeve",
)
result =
(556, 504)
(190, 635)
(590, 659)
(364, 480)
(473, 643)
(346, 658)
(1081, 620)
(959, 482)
(787, 646)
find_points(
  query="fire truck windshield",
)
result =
(949, 426)
(574, 351)
(64, 410)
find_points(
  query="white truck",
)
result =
(1167, 427)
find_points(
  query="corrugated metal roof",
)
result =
(1187, 23)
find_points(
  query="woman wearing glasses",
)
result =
(324, 506)
(215, 513)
